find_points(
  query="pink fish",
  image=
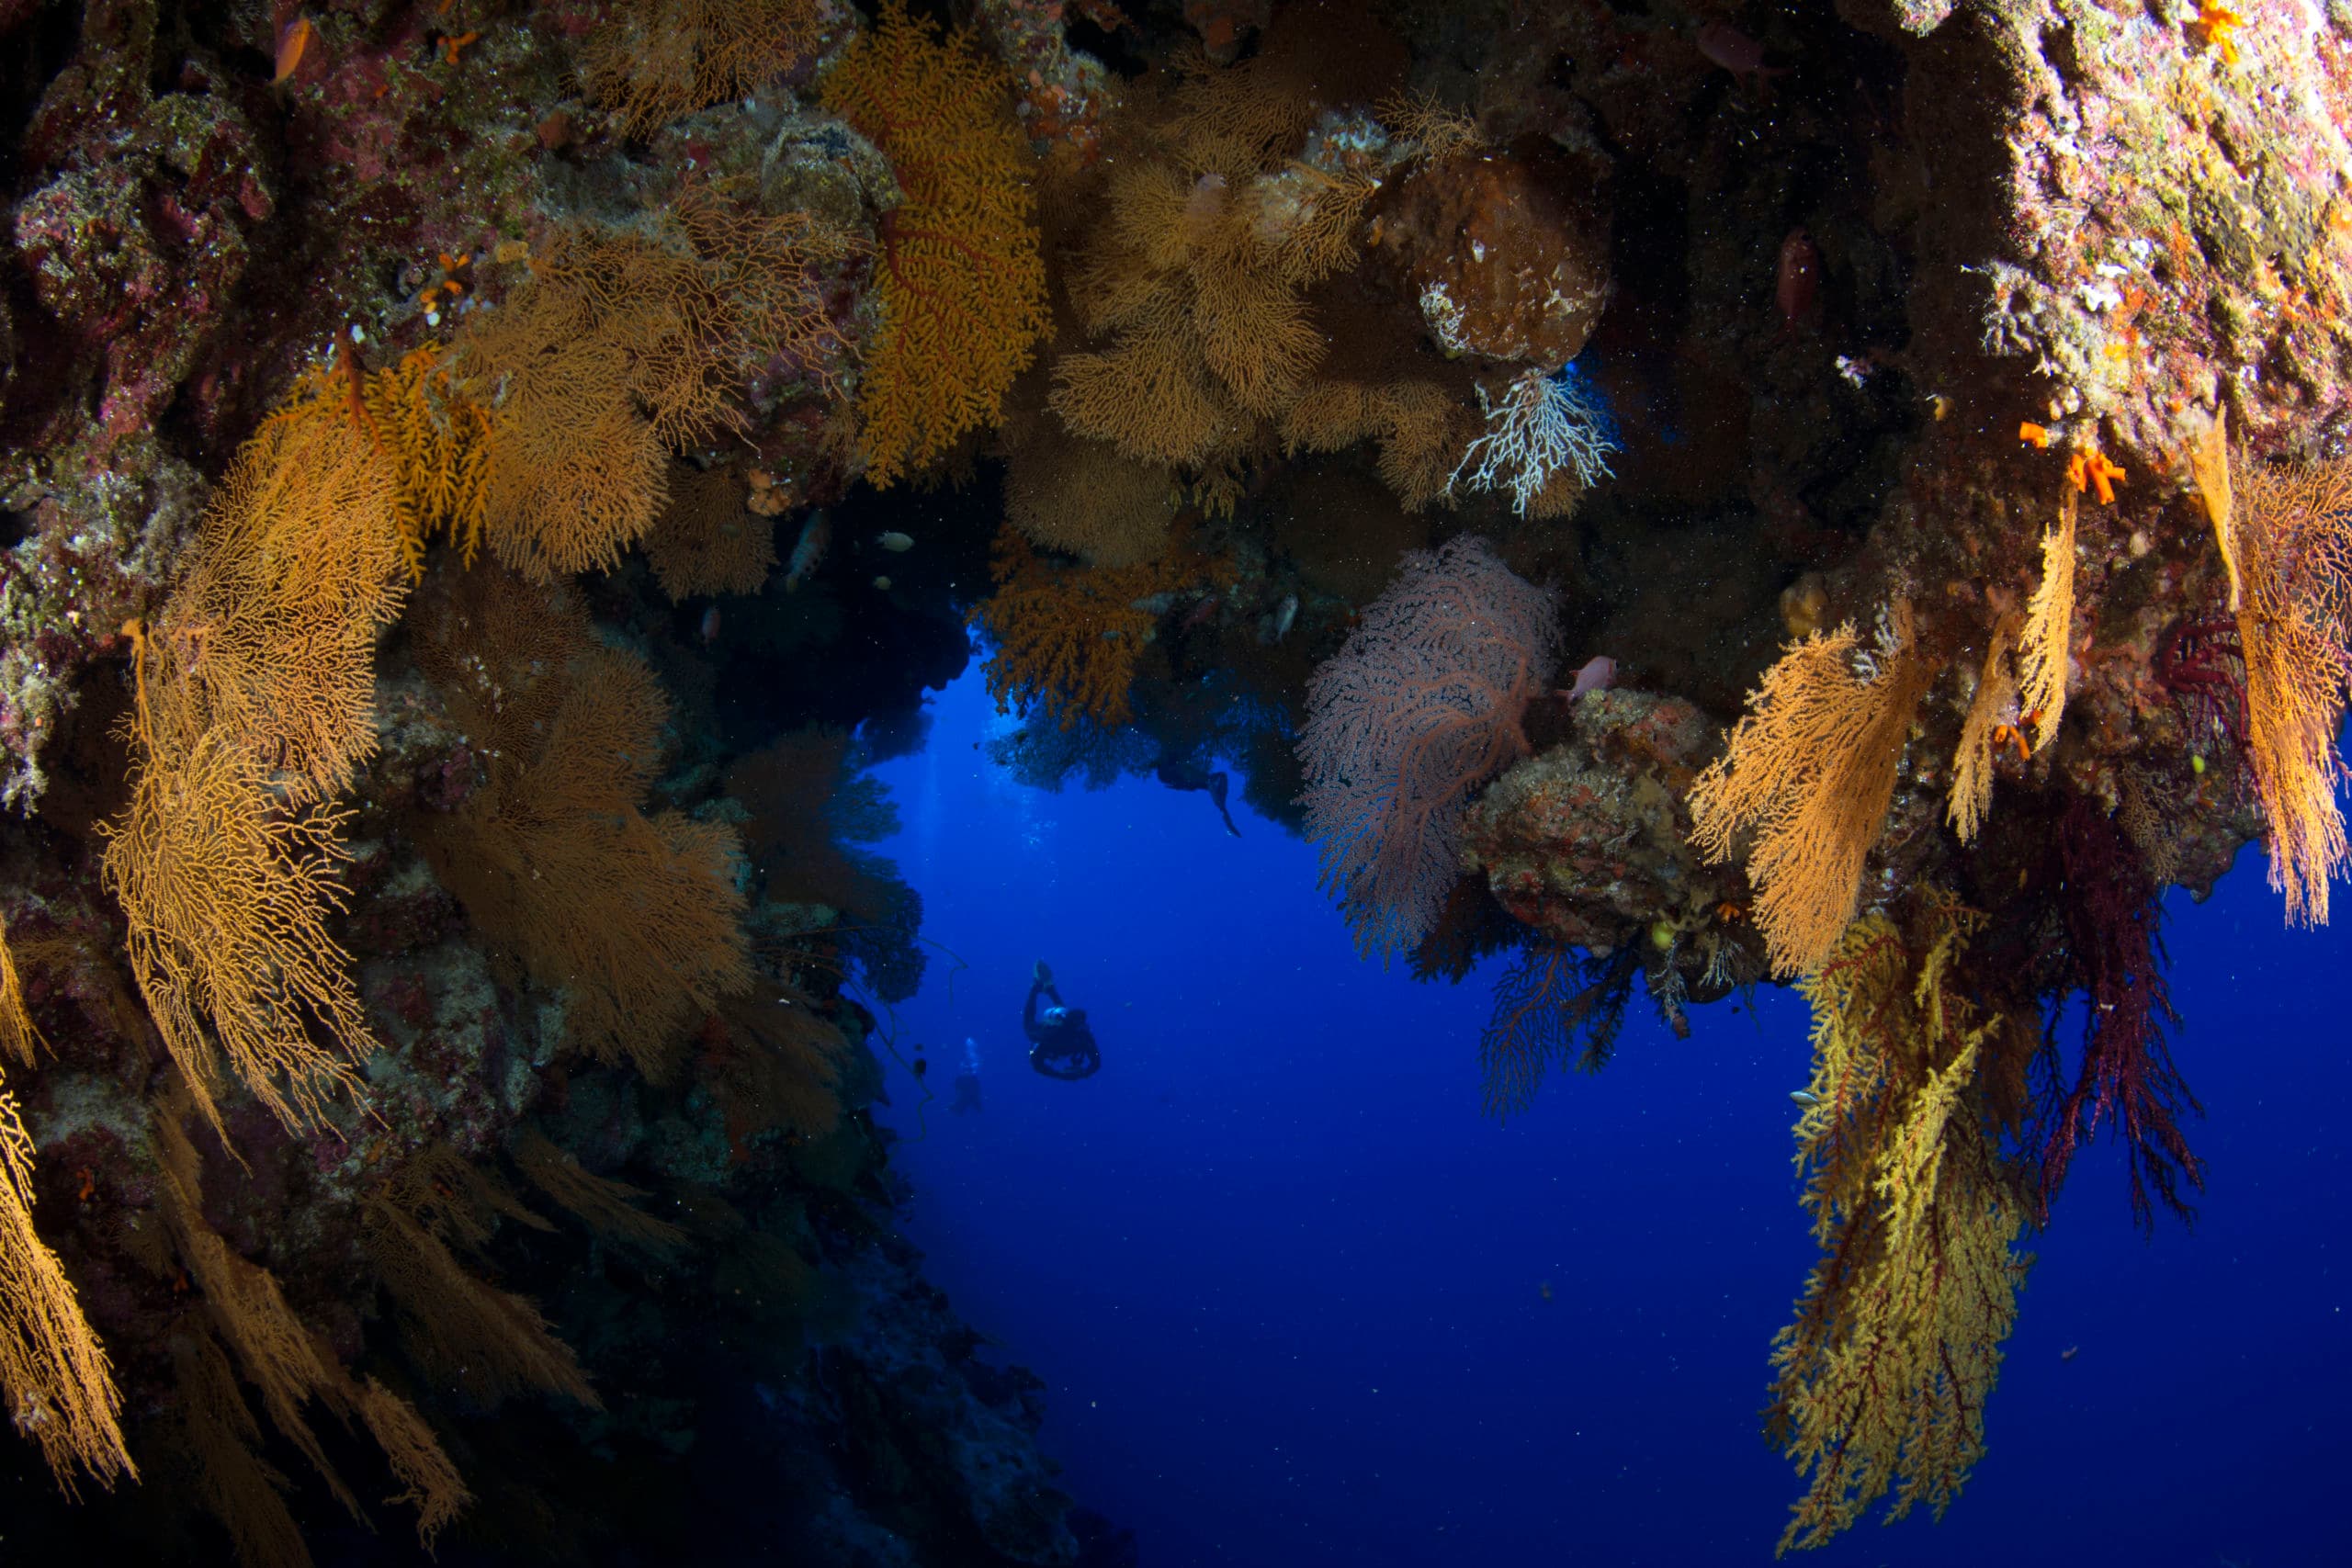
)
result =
(1598, 675)
(710, 625)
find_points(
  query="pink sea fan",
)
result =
(1418, 709)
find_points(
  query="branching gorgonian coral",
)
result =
(1540, 432)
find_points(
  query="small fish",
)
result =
(292, 39)
(1805, 1097)
(2070, 1352)
(811, 549)
(1736, 52)
(881, 584)
(1598, 675)
(898, 544)
(1277, 625)
(710, 625)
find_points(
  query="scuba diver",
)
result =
(1060, 1044)
(1184, 772)
(968, 1080)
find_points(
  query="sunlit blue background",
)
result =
(1288, 1287)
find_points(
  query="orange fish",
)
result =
(292, 39)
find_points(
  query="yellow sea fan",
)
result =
(2045, 647)
(1882, 1379)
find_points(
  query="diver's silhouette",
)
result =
(1061, 1045)
(1184, 772)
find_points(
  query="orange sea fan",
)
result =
(960, 278)
(1421, 430)
(1993, 706)
(1234, 120)
(212, 1425)
(707, 539)
(298, 567)
(656, 59)
(226, 896)
(574, 471)
(489, 1342)
(285, 1361)
(254, 702)
(2045, 644)
(1070, 638)
(2294, 536)
(434, 434)
(702, 303)
(776, 1060)
(1153, 397)
(52, 1369)
(1083, 497)
(806, 805)
(624, 346)
(17, 1035)
(1807, 778)
(1191, 282)
(637, 917)
(604, 1204)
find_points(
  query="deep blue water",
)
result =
(1288, 1288)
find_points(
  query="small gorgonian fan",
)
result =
(1420, 708)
